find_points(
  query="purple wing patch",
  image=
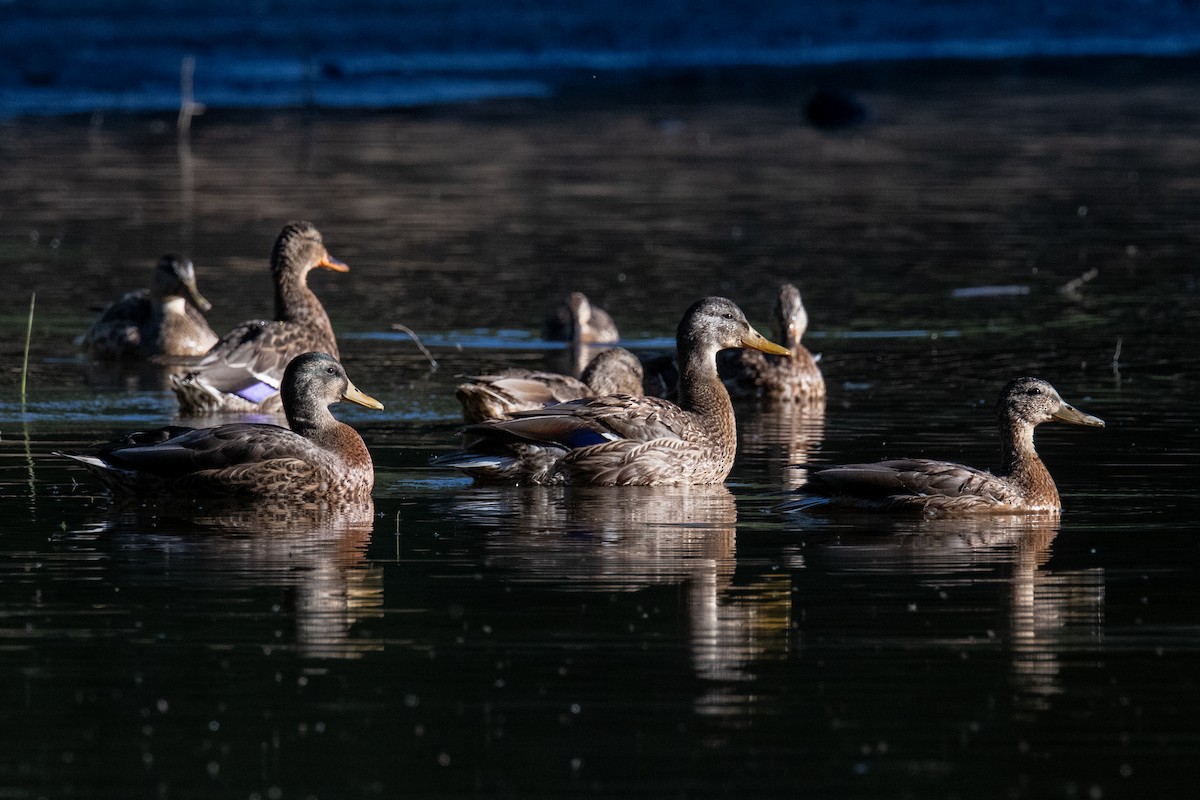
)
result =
(257, 392)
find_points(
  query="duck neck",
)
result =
(700, 388)
(308, 418)
(1021, 464)
(295, 302)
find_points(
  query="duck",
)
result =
(499, 396)
(165, 320)
(626, 440)
(940, 488)
(580, 322)
(242, 371)
(751, 375)
(314, 458)
(774, 379)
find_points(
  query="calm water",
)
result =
(455, 640)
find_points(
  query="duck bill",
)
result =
(353, 395)
(1073, 416)
(759, 342)
(329, 262)
(197, 299)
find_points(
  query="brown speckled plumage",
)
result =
(499, 396)
(242, 371)
(316, 458)
(779, 379)
(624, 440)
(165, 320)
(937, 488)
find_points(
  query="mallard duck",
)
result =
(483, 397)
(936, 488)
(623, 440)
(580, 322)
(775, 379)
(242, 371)
(614, 371)
(165, 320)
(751, 375)
(316, 458)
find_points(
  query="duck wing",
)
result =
(931, 485)
(596, 420)
(537, 387)
(133, 307)
(249, 360)
(174, 452)
(498, 396)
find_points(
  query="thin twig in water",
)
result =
(412, 335)
(188, 107)
(1116, 361)
(28, 337)
(1073, 289)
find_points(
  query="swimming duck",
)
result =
(165, 320)
(242, 372)
(619, 440)
(580, 322)
(613, 371)
(751, 375)
(775, 379)
(937, 488)
(316, 458)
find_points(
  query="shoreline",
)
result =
(667, 83)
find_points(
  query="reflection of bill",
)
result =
(319, 551)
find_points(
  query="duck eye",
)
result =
(727, 315)
(331, 370)
(1034, 391)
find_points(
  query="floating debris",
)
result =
(1073, 289)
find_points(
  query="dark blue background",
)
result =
(81, 56)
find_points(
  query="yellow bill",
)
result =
(759, 342)
(1073, 416)
(353, 395)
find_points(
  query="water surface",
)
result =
(455, 640)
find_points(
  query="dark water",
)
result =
(463, 641)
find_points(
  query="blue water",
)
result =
(77, 56)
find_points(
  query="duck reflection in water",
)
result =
(778, 440)
(314, 553)
(1048, 611)
(630, 539)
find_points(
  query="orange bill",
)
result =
(329, 262)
